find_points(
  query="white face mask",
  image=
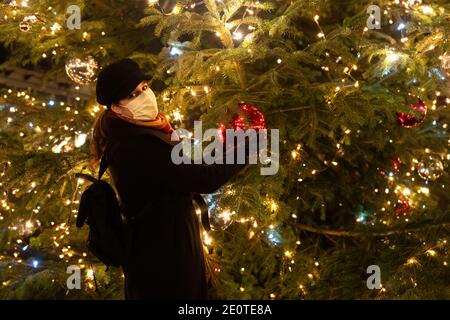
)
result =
(144, 107)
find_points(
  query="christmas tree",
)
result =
(359, 91)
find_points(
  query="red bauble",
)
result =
(419, 112)
(249, 117)
(403, 207)
(396, 164)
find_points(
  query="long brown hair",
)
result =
(99, 137)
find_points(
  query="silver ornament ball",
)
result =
(430, 168)
(82, 71)
(221, 219)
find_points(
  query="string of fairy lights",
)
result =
(392, 59)
(407, 196)
(60, 138)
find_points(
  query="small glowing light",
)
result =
(55, 27)
(80, 140)
(174, 51)
(237, 35)
(90, 274)
(401, 26)
(427, 10)
(392, 57)
(207, 239)
(35, 263)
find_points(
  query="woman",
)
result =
(166, 255)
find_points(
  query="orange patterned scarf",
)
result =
(160, 123)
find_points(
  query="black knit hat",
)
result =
(117, 81)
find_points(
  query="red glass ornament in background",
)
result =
(396, 164)
(409, 120)
(403, 207)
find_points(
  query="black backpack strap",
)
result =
(85, 177)
(103, 166)
(203, 210)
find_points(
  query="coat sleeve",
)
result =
(201, 178)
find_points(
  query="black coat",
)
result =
(166, 260)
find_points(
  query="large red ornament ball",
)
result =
(396, 163)
(403, 208)
(415, 117)
(248, 117)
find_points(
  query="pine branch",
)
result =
(339, 233)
